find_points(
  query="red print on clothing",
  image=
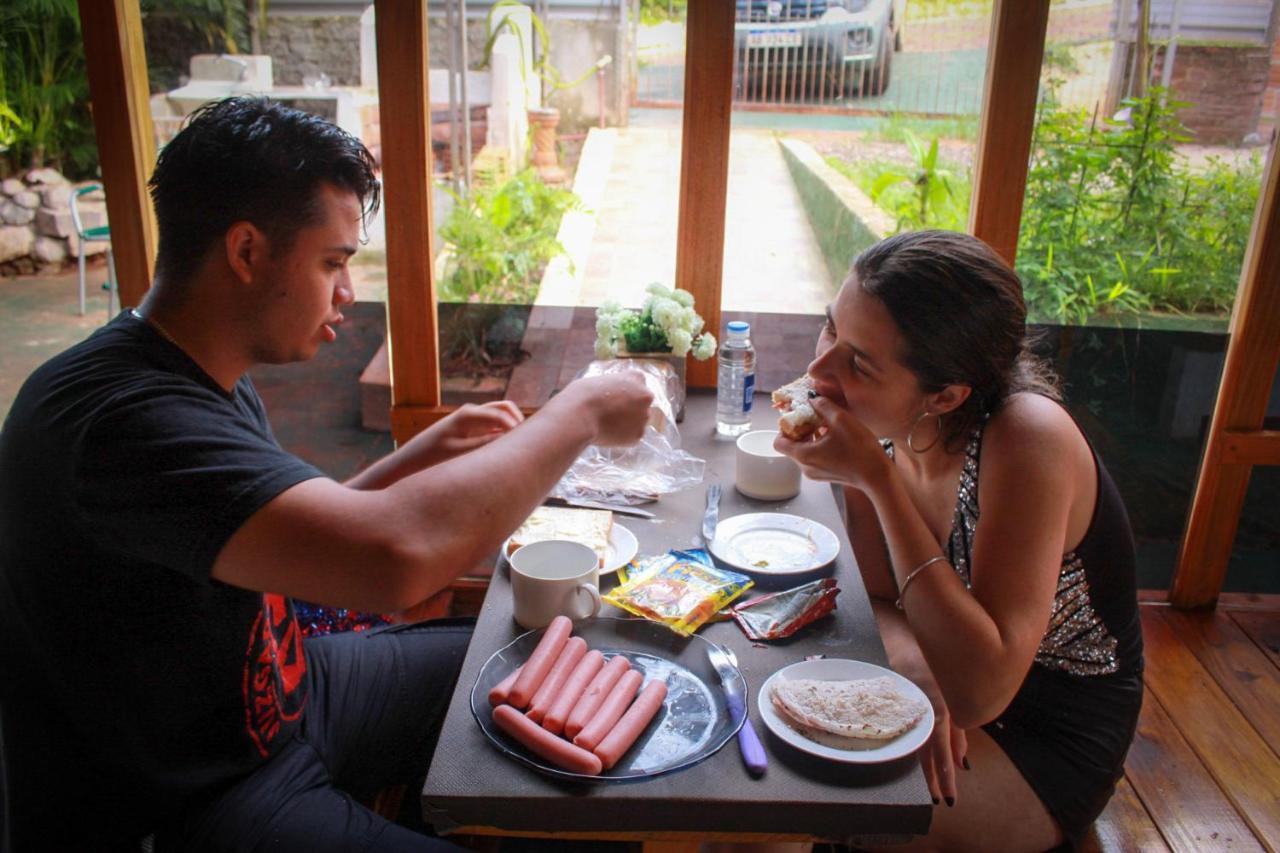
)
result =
(273, 669)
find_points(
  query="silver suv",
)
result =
(830, 47)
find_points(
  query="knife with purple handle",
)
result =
(725, 662)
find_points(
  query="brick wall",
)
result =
(1226, 87)
(1269, 118)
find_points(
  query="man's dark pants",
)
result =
(375, 704)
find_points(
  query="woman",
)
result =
(976, 505)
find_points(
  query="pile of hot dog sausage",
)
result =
(581, 712)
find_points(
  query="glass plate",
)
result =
(774, 544)
(694, 721)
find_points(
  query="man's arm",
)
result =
(387, 549)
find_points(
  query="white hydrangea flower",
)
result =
(705, 346)
(666, 314)
(605, 349)
(606, 325)
(684, 297)
(609, 308)
(659, 290)
(680, 341)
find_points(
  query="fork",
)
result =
(711, 516)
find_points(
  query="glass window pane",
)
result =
(570, 200)
(849, 125)
(1140, 198)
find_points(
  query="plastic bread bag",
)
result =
(682, 594)
(655, 466)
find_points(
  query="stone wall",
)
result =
(844, 220)
(36, 231)
(302, 46)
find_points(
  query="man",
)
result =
(152, 532)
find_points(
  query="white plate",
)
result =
(622, 548)
(774, 543)
(834, 747)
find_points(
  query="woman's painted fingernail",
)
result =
(964, 762)
(951, 801)
(935, 801)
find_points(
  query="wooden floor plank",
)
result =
(1124, 826)
(1178, 791)
(1263, 629)
(1242, 764)
(1241, 669)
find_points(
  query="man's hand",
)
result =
(459, 432)
(617, 403)
(471, 426)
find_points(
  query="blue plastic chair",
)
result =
(99, 233)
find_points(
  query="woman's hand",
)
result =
(843, 450)
(944, 754)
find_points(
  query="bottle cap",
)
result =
(739, 329)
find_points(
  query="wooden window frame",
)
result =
(116, 63)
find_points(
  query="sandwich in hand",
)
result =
(799, 420)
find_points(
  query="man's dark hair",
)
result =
(960, 310)
(250, 159)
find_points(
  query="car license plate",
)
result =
(774, 38)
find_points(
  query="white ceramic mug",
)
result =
(762, 472)
(554, 577)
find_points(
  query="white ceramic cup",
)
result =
(762, 472)
(552, 578)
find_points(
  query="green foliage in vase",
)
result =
(665, 323)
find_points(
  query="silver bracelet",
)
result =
(912, 576)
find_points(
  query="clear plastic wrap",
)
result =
(656, 465)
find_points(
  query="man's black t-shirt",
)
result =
(131, 682)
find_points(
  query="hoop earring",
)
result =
(911, 433)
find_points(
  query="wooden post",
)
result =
(704, 165)
(405, 113)
(1236, 441)
(1012, 83)
(116, 63)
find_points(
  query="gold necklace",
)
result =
(155, 324)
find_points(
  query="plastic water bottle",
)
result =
(736, 381)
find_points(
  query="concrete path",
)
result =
(631, 184)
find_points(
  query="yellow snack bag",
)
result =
(681, 594)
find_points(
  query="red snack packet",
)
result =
(781, 614)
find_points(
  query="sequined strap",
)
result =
(1077, 640)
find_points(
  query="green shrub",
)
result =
(658, 11)
(502, 238)
(1115, 221)
(44, 92)
(933, 194)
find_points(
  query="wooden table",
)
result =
(471, 788)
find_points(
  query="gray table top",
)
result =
(470, 784)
